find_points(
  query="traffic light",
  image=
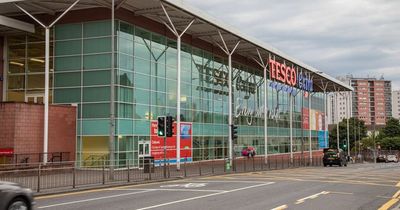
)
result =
(170, 126)
(344, 144)
(234, 132)
(161, 126)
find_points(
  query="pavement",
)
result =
(358, 186)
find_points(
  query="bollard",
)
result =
(244, 165)
(184, 167)
(38, 181)
(254, 167)
(282, 162)
(169, 174)
(128, 177)
(276, 163)
(73, 177)
(212, 166)
(104, 174)
(200, 168)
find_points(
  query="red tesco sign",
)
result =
(6, 151)
(282, 73)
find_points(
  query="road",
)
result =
(359, 186)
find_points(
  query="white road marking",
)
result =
(92, 199)
(164, 189)
(205, 196)
(188, 185)
(280, 207)
(311, 197)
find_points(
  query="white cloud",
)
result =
(360, 37)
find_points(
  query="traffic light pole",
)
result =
(165, 157)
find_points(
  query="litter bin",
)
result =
(148, 165)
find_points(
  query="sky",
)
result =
(338, 37)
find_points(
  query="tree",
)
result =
(357, 131)
(390, 143)
(392, 129)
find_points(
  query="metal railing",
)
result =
(66, 175)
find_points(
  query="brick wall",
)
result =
(22, 128)
(1, 67)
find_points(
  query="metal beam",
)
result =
(40, 7)
(17, 24)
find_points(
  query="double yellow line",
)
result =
(395, 198)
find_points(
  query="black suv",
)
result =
(334, 157)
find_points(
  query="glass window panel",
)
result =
(142, 96)
(171, 100)
(125, 94)
(171, 87)
(142, 81)
(125, 46)
(38, 49)
(96, 110)
(158, 99)
(16, 82)
(35, 81)
(17, 51)
(142, 51)
(141, 35)
(141, 111)
(125, 62)
(16, 66)
(102, 61)
(96, 77)
(71, 63)
(16, 96)
(68, 31)
(158, 69)
(38, 65)
(142, 66)
(171, 72)
(70, 95)
(98, 45)
(126, 31)
(125, 78)
(71, 47)
(67, 79)
(98, 28)
(95, 94)
(21, 39)
(125, 110)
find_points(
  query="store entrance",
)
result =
(144, 151)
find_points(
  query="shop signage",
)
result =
(218, 77)
(250, 113)
(289, 76)
(6, 151)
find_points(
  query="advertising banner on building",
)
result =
(157, 143)
(321, 139)
(313, 125)
(306, 118)
(317, 128)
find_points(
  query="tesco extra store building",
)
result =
(166, 58)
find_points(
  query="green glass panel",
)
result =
(67, 79)
(142, 51)
(70, 63)
(95, 94)
(95, 127)
(71, 47)
(98, 28)
(96, 77)
(125, 110)
(70, 95)
(125, 62)
(125, 127)
(141, 35)
(142, 96)
(142, 127)
(68, 31)
(96, 110)
(125, 78)
(125, 94)
(98, 45)
(126, 31)
(142, 81)
(125, 46)
(101, 61)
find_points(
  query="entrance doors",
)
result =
(144, 151)
(34, 98)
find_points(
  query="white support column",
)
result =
(326, 119)
(265, 69)
(47, 72)
(338, 121)
(291, 126)
(230, 120)
(178, 35)
(111, 137)
(309, 126)
(348, 126)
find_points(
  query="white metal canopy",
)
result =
(204, 27)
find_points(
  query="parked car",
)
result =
(381, 159)
(392, 158)
(334, 157)
(13, 196)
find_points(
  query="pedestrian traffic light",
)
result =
(344, 144)
(169, 126)
(234, 132)
(161, 126)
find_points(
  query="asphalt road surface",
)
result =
(360, 186)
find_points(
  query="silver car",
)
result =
(14, 196)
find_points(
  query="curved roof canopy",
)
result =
(204, 27)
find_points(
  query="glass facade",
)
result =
(145, 87)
